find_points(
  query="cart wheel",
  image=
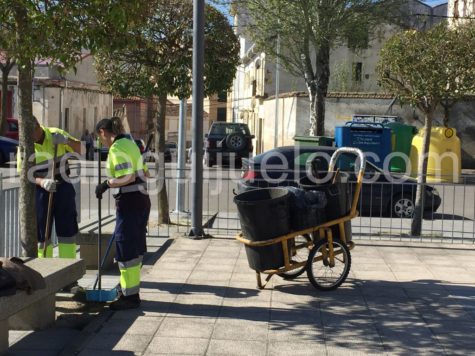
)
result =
(300, 255)
(320, 273)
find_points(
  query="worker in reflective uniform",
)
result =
(64, 203)
(127, 173)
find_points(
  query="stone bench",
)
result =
(35, 311)
(87, 241)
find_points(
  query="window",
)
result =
(221, 114)
(229, 128)
(66, 119)
(36, 93)
(12, 126)
(357, 71)
(254, 88)
(84, 118)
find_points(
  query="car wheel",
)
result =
(2, 160)
(236, 141)
(402, 206)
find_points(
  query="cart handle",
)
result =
(359, 181)
(355, 151)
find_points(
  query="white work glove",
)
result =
(49, 185)
(59, 139)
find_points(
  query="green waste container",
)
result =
(314, 140)
(401, 142)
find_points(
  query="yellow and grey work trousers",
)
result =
(132, 214)
(65, 220)
(130, 276)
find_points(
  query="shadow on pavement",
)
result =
(200, 289)
(423, 316)
(438, 216)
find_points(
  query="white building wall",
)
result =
(85, 109)
(460, 9)
(85, 71)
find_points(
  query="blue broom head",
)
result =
(101, 295)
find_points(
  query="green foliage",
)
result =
(60, 30)
(305, 25)
(307, 30)
(423, 67)
(56, 31)
(158, 58)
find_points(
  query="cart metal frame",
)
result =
(320, 232)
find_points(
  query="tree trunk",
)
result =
(163, 215)
(3, 119)
(322, 77)
(312, 95)
(27, 204)
(416, 226)
(446, 107)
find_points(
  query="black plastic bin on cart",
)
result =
(338, 198)
(264, 215)
(307, 208)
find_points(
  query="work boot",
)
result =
(126, 302)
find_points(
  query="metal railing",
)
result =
(10, 243)
(451, 222)
(9, 221)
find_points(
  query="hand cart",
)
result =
(326, 258)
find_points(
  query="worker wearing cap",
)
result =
(127, 174)
(64, 199)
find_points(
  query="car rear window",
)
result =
(295, 156)
(12, 126)
(224, 129)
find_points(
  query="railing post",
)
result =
(2, 219)
(180, 185)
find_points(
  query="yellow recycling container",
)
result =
(445, 157)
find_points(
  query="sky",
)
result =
(224, 9)
(435, 2)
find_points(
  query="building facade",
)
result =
(254, 91)
(73, 100)
(459, 11)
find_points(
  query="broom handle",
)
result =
(50, 205)
(99, 231)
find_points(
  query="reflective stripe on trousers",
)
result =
(49, 250)
(66, 247)
(67, 250)
(130, 276)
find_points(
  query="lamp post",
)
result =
(196, 231)
(277, 89)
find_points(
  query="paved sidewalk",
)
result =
(200, 298)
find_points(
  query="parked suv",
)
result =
(227, 141)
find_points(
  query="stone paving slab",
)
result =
(397, 300)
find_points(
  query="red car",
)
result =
(12, 129)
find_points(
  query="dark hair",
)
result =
(112, 125)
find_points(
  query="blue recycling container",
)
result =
(371, 138)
